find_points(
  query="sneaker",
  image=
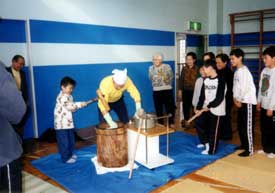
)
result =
(74, 156)
(271, 155)
(205, 152)
(245, 153)
(200, 145)
(70, 161)
(261, 152)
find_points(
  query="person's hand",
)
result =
(269, 113)
(258, 107)
(139, 110)
(179, 95)
(113, 125)
(196, 111)
(237, 103)
(139, 113)
(84, 104)
(110, 121)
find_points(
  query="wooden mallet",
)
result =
(91, 101)
(194, 116)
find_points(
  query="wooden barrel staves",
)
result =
(112, 148)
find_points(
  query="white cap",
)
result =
(120, 76)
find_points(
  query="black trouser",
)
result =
(268, 132)
(207, 125)
(19, 128)
(164, 99)
(120, 109)
(11, 177)
(226, 125)
(246, 122)
(187, 96)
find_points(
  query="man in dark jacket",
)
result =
(18, 62)
(12, 109)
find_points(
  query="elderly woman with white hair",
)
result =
(162, 76)
(112, 87)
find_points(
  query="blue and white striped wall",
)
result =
(87, 53)
(13, 41)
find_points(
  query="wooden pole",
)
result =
(135, 149)
(194, 117)
(261, 20)
(232, 38)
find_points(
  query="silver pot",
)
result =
(147, 122)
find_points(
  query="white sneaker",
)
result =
(74, 156)
(261, 152)
(206, 151)
(271, 155)
(200, 145)
(70, 161)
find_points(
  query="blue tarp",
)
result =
(81, 177)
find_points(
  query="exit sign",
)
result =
(194, 26)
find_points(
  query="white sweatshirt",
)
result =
(244, 89)
(197, 91)
(63, 118)
(266, 94)
(213, 96)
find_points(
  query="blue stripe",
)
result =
(61, 32)
(194, 40)
(12, 31)
(47, 80)
(253, 65)
(219, 40)
(241, 39)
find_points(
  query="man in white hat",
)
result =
(112, 87)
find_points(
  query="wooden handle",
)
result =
(102, 99)
(91, 101)
(194, 117)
